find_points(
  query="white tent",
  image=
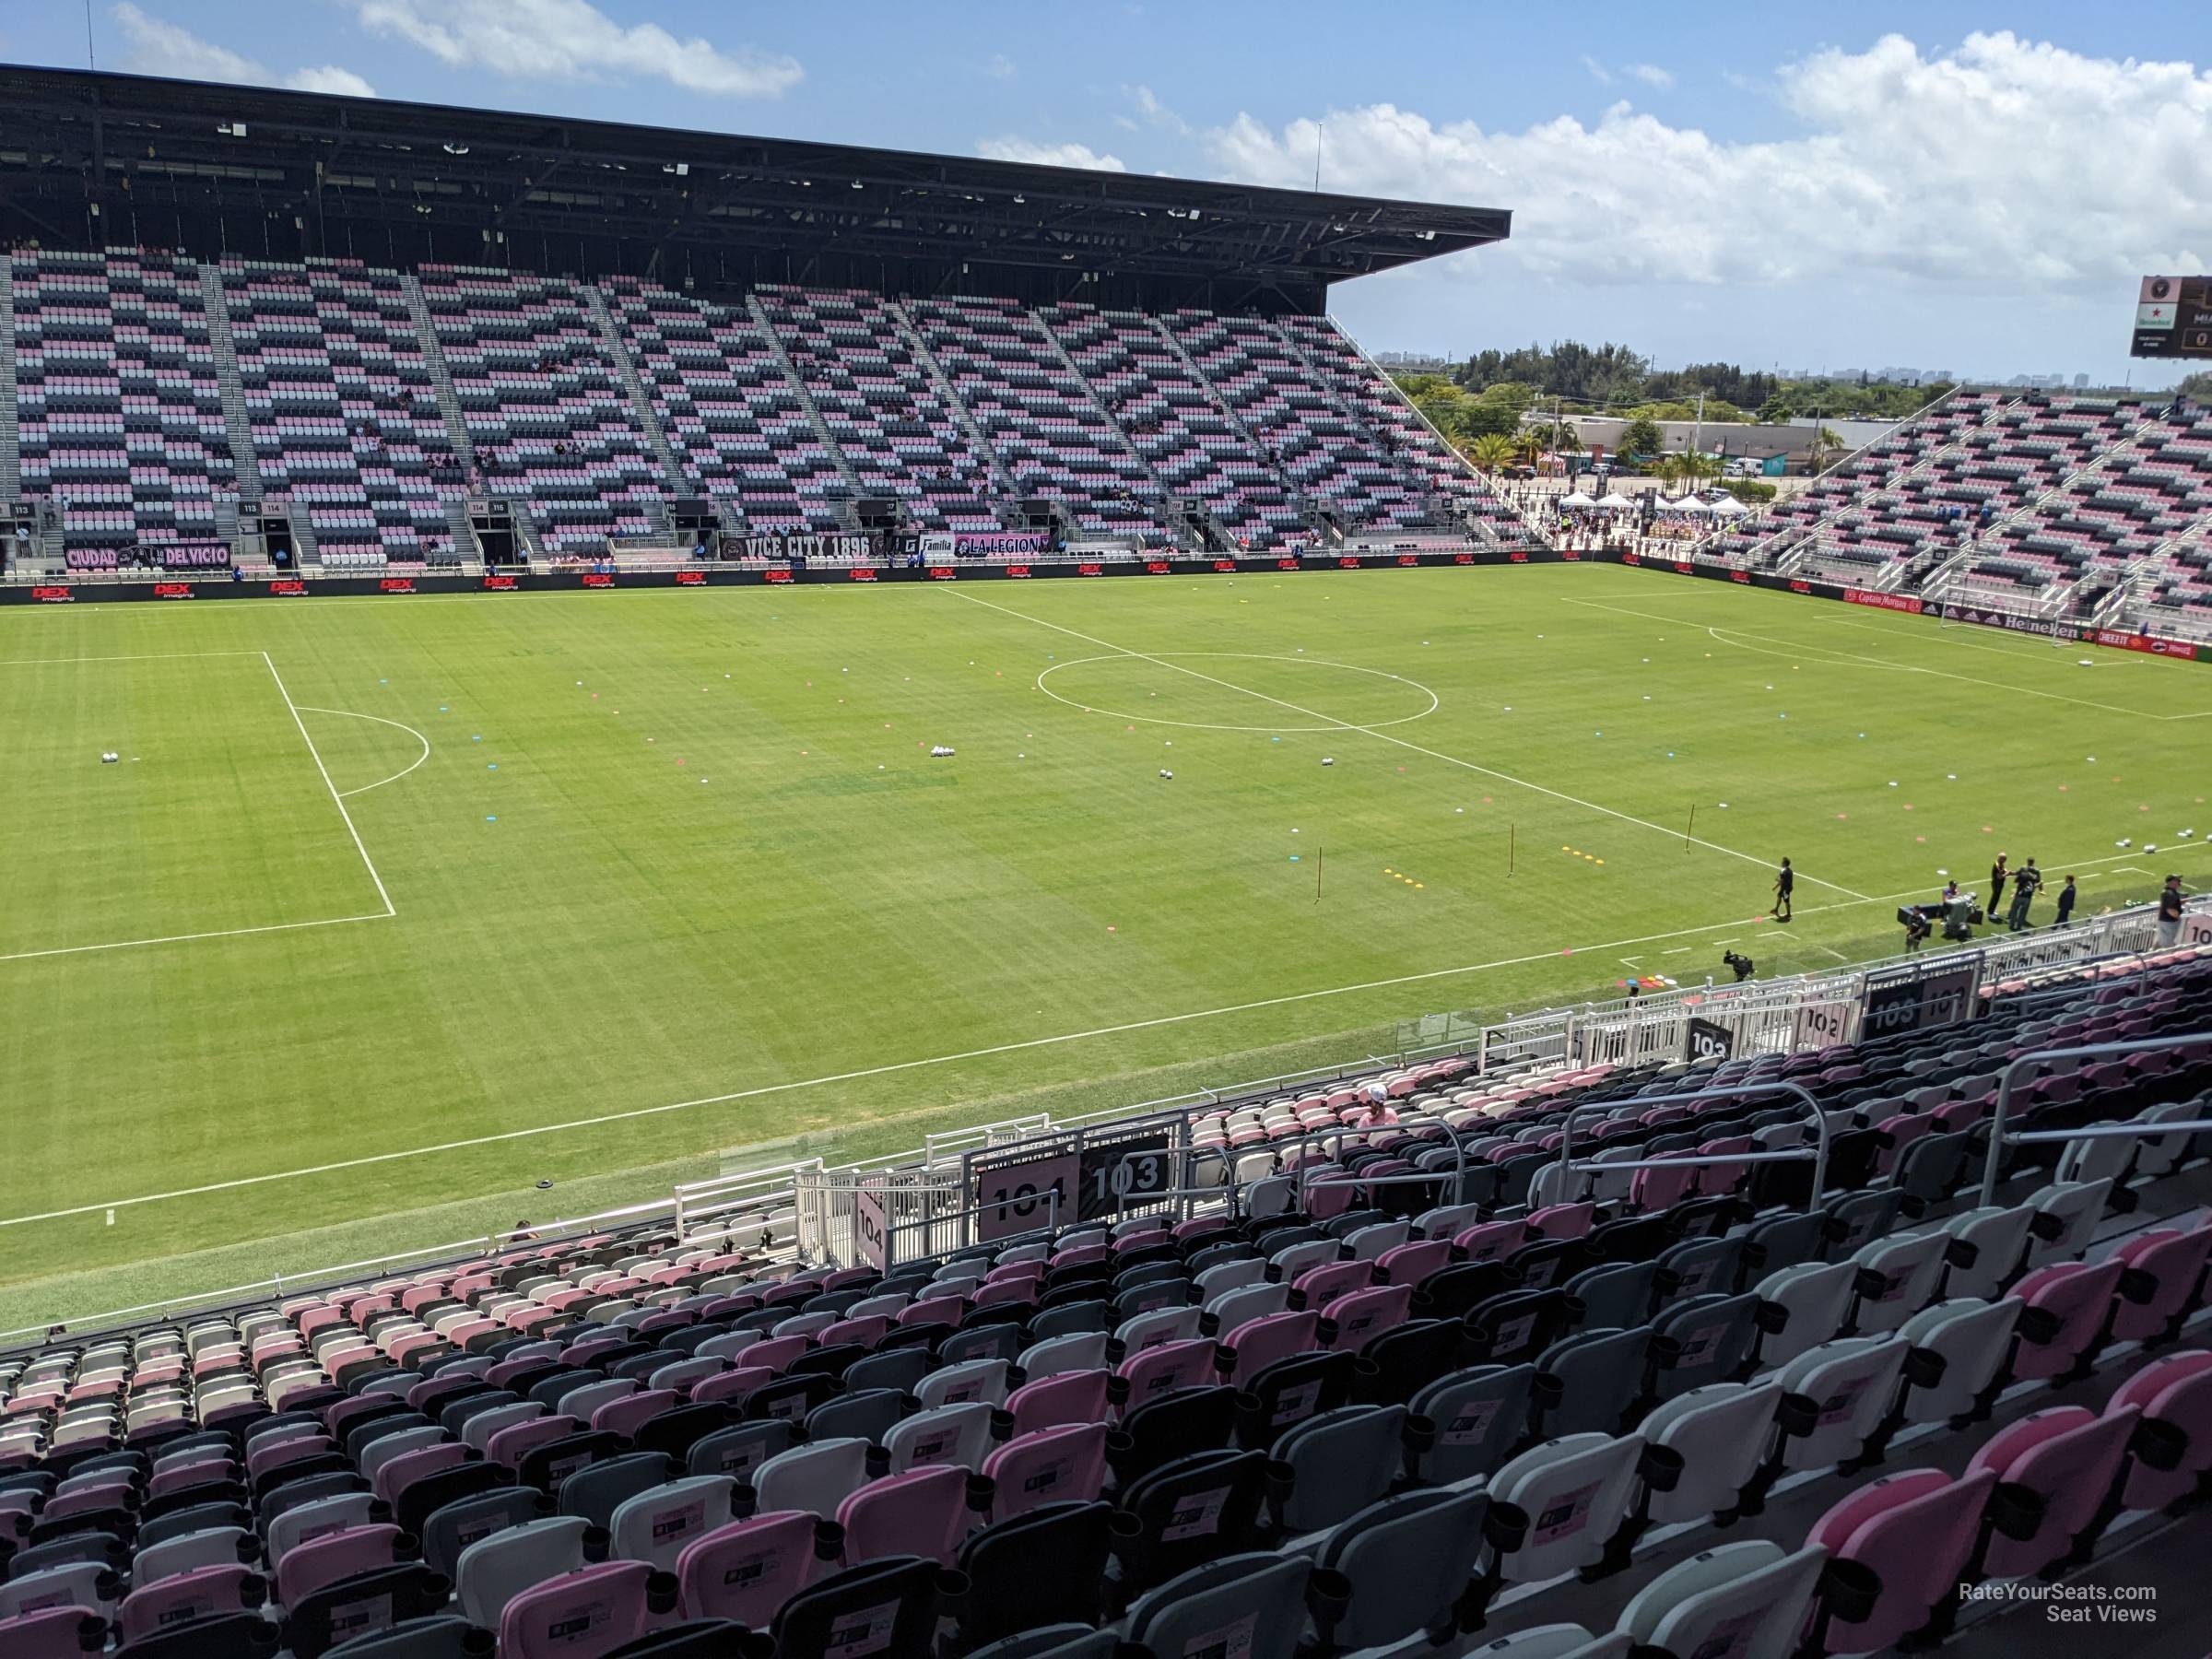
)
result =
(1577, 500)
(1729, 507)
(1688, 503)
(1618, 502)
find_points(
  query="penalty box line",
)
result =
(387, 913)
(893, 1067)
(337, 799)
(1401, 742)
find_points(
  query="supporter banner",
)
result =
(1001, 541)
(207, 556)
(937, 544)
(843, 544)
(1897, 602)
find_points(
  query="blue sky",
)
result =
(1962, 186)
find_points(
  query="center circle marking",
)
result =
(1245, 656)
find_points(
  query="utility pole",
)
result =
(1697, 428)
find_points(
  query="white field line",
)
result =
(906, 1066)
(410, 731)
(158, 657)
(1831, 657)
(220, 933)
(1386, 737)
(217, 932)
(337, 799)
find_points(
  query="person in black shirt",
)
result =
(2025, 886)
(1785, 883)
(2170, 911)
(2065, 903)
(1998, 876)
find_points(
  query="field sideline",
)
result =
(393, 909)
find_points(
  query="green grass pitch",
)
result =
(687, 850)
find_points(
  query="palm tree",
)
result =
(1565, 439)
(1825, 439)
(1528, 444)
(1492, 451)
(1691, 469)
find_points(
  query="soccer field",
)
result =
(393, 909)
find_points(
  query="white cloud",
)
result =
(1001, 67)
(1156, 114)
(1049, 155)
(569, 40)
(161, 48)
(1652, 74)
(157, 47)
(1962, 169)
(1598, 72)
(329, 78)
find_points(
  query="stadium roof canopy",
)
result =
(90, 160)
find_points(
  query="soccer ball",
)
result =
(1165, 772)
(1327, 761)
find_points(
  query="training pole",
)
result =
(1317, 875)
(1686, 828)
(1509, 851)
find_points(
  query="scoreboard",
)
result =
(2174, 318)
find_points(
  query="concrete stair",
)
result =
(224, 351)
(641, 402)
(442, 379)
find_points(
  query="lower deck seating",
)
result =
(1424, 1374)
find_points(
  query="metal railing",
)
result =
(1783, 1086)
(1999, 1139)
(1456, 1177)
(1763, 1012)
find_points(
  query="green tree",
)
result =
(1826, 444)
(1641, 437)
(1516, 395)
(2198, 385)
(1527, 445)
(1777, 408)
(1749, 491)
(1491, 452)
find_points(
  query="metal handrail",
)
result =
(1459, 1153)
(2035, 1056)
(2112, 1132)
(1727, 1091)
